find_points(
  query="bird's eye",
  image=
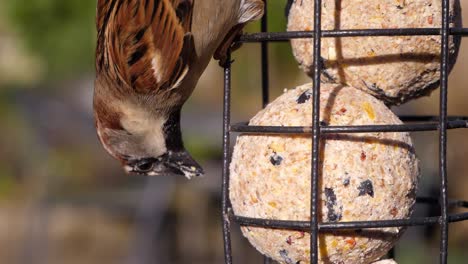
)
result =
(144, 165)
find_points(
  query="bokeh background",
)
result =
(63, 200)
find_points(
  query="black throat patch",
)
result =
(172, 133)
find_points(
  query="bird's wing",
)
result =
(251, 10)
(144, 45)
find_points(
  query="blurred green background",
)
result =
(64, 200)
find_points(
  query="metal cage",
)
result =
(440, 123)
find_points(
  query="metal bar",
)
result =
(265, 75)
(334, 226)
(226, 145)
(443, 125)
(432, 126)
(286, 36)
(427, 118)
(315, 174)
(265, 67)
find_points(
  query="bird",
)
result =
(150, 55)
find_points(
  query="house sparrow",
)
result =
(150, 55)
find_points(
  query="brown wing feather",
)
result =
(142, 44)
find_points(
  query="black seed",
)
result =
(330, 202)
(366, 187)
(346, 181)
(304, 97)
(276, 159)
(331, 197)
(284, 254)
(323, 123)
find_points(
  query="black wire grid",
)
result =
(440, 123)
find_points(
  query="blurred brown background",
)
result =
(63, 200)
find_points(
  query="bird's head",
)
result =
(146, 144)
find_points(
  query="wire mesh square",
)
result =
(440, 123)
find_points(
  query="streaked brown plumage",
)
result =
(150, 55)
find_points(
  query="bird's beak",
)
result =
(183, 164)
